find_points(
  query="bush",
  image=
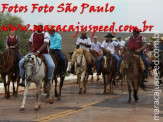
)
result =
(1, 81)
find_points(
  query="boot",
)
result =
(145, 79)
(98, 72)
(46, 86)
(22, 83)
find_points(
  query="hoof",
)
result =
(36, 109)
(80, 92)
(129, 102)
(56, 95)
(39, 107)
(22, 109)
(51, 101)
(104, 93)
(58, 98)
(84, 92)
(136, 101)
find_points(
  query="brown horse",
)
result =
(57, 72)
(108, 68)
(9, 67)
(132, 74)
(96, 56)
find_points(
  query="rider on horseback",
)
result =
(96, 45)
(84, 42)
(139, 44)
(56, 46)
(13, 42)
(38, 43)
(109, 46)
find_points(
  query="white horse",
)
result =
(35, 73)
(81, 70)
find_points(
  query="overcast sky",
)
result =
(127, 12)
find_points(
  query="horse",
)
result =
(108, 68)
(35, 72)
(96, 55)
(57, 72)
(9, 67)
(81, 59)
(132, 74)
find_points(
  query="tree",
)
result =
(14, 20)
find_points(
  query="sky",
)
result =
(126, 12)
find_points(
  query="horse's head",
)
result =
(29, 67)
(107, 61)
(79, 59)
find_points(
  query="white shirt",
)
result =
(121, 43)
(96, 46)
(110, 46)
(86, 41)
(46, 37)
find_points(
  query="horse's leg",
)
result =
(136, 87)
(24, 98)
(50, 92)
(8, 86)
(38, 97)
(104, 77)
(80, 84)
(60, 87)
(18, 80)
(5, 84)
(13, 85)
(98, 77)
(129, 90)
(85, 83)
(56, 82)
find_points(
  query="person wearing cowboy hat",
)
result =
(84, 42)
(56, 46)
(121, 42)
(38, 44)
(96, 45)
(109, 45)
(138, 44)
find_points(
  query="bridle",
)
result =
(34, 72)
(79, 64)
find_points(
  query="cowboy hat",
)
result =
(137, 30)
(109, 35)
(39, 24)
(83, 32)
(114, 39)
(51, 28)
(95, 37)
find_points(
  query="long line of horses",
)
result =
(35, 70)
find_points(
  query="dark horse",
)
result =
(96, 55)
(132, 74)
(9, 67)
(57, 72)
(108, 68)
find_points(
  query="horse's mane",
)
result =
(81, 51)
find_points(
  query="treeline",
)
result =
(7, 18)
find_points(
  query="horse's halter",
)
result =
(107, 59)
(127, 59)
(80, 64)
(33, 66)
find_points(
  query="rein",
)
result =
(34, 72)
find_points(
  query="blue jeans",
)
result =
(18, 56)
(62, 59)
(146, 63)
(118, 60)
(49, 60)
